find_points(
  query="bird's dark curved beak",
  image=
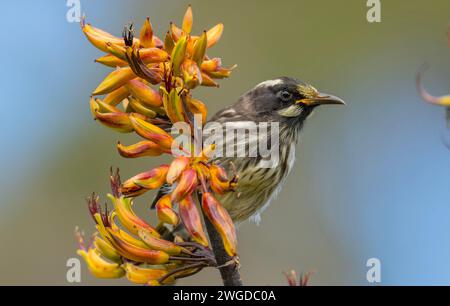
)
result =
(322, 99)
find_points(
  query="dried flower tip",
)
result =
(114, 179)
(151, 74)
(128, 35)
(303, 281)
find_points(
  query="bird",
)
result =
(286, 101)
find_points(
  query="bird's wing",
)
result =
(228, 114)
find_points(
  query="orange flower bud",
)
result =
(123, 235)
(153, 55)
(144, 93)
(137, 253)
(197, 107)
(106, 108)
(106, 249)
(140, 183)
(155, 179)
(190, 45)
(93, 105)
(173, 105)
(157, 42)
(176, 32)
(130, 189)
(117, 96)
(115, 50)
(159, 244)
(219, 180)
(128, 218)
(135, 105)
(200, 49)
(211, 65)
(146, 35)
(142, 148)
(214, 35)
(99, 38)
(178, 54)
(178, 165)
(191, 73)
(98, 266)
(117, 121)
(187, 21)
(220, 73)
(165, 211)
(168, 43)
(140, 275)
(151, 132)
(208, 81)
(186, 185)
(221, 220)
(192, 221)
(114, 80)
(202, 172)
(147, 55)
(129, 247)
(111, 61)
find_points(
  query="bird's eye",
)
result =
(285, 95)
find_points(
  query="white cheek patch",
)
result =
(290, 111)
(270, 83)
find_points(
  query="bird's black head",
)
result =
(284, 99)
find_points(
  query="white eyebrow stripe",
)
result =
(270, 83)
(228, 112)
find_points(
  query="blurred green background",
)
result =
(371, 179)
